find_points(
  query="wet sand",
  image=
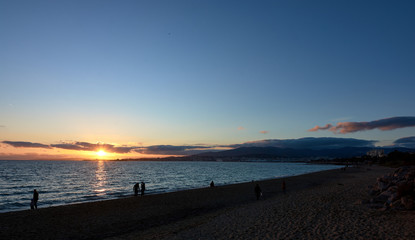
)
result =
(324, 205)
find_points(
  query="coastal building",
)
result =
(376, 153)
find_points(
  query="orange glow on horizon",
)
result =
(16, 153)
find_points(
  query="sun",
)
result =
(101, 153)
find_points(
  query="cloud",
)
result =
(85, 146)
(2, 126)
(19, 144)
(309, 143)
(241, 128)
(316, 128)
(184, 150)
(407, 142)
(110, 148)
(382, 124)
(68, 146)
(263, 132)
(173, 150)
(36, 156)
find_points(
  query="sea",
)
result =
(70, 182)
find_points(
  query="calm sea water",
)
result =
(68, 182)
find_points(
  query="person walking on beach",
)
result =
(283, 186)
(136, 189)
(143, 188)
(212, 184)
(35, 198)
(258, 191)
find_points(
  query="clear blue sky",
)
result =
(203, 72)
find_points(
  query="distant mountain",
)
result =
(275, 152)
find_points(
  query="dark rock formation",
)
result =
(395, 190)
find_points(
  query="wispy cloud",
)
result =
(316, 128)
(26, 144)
(263, 132)
(382, 124)
(241, 128)
(2, 126)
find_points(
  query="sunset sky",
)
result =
(158, 78)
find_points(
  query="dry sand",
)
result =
(324, 205)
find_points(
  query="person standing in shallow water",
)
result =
(143, 188)
(258, 191)
(35, 198)
(136, 189)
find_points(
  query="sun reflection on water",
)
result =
(100, 178)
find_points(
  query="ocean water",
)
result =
(68, 182)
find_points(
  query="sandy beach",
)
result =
(323, 205)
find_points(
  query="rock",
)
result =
(382, 197)
(407, 202)
(395, 190)
(397, 205)
(373, 191)
(382, 185)
(393, 198)
(410, 175)
(405, 188)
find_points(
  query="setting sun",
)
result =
(101, 153)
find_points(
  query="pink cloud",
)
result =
(316, 128)
(263, 132)
(382, 124)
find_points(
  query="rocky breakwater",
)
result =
(395, 190)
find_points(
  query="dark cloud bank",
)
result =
(173, 150)
(309, 143)
(301, 143)
(407, 142)
(85, 146)
(26, 144)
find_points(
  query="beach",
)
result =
(322, 205)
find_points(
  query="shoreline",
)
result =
(172, 214)
(158, 193)
(14, 202)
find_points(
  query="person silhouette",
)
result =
(283, 186)
(258, 191)
(212, 184)
(143, 188)
(35, 198)
(136, 189)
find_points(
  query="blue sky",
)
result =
(203, 72)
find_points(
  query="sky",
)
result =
(158, 78)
